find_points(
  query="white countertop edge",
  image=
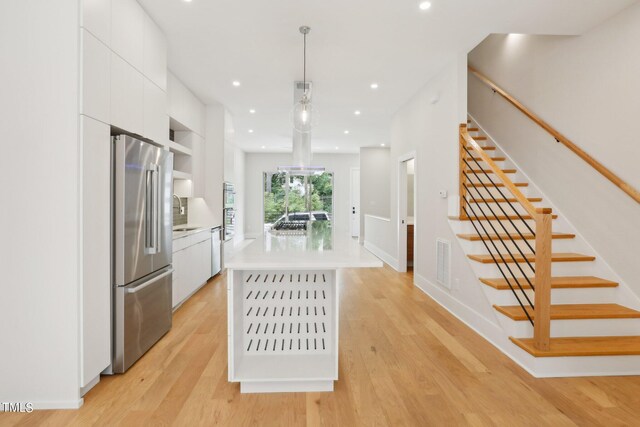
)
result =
(266, 265)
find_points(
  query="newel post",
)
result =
(542, 319)
(462, 176)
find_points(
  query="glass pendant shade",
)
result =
(303, 117)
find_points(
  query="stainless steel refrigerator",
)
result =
(142, 224)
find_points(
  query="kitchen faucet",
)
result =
(180, 204)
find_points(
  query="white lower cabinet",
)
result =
(191, 265)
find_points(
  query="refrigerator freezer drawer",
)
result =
(143, 316)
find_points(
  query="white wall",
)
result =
(40, 166)
(428, 124)
(586, 87)
(258, 163)
(374, 184)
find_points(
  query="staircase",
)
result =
(552, 296)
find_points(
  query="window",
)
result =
(286, 194)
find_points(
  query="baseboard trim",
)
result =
(491, 332)
(384, 256)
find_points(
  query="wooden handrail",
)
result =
(615, 179)
(528, 206)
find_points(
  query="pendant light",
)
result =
(303, 118)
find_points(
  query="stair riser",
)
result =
(575, 328)
(557, 269)
(499, 226)
(501, 192)
(477, 247)
(558, 296)
(498, 208)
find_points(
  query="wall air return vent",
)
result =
(443, 270)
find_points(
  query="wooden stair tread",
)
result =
(474, 237)
(500, 217)
(495, 159)
(556, 257)
(490, 171)
(573, 312)
(479, 138)
(565, 282)
(583, 346)
(498, 184)
(473, 130)
(500, 200)
(485, 148)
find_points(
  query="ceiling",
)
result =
(352, 44)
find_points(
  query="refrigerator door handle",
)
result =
(152, 210)
(148, 210)
(157, 205)
(150, 282)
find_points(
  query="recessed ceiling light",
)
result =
(263, 147)
(337, 148)
(374, 85)
(346, 132)
(381, 145)
(235, 83)
(250, 130)
(252, 111)
(357, 112)
(424, 5)
(187, 1)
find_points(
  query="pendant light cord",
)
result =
(304, 64)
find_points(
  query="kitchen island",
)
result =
(283, 309)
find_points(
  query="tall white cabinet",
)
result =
(96, 272)
(123, 84)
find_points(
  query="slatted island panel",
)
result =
(283, 309)
(283, 330)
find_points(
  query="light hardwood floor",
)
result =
(403, 361)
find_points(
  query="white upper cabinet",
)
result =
(127, 29)
(96, 18)
(127, 96)
(197, 166)
(184, 106)
(154, 65)
(156, 120)
(96, 80)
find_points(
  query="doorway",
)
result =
(407, 207)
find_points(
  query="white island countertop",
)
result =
(319, 248)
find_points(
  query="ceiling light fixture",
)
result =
(250, 130)
(337, 148)
(303, 110)
(374, 86)
(381, 145)
(424, 5)
(346, 132)
(357, 112)
(252, 111)
(263, 147)
(235, 83)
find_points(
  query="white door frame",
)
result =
(351, 204)
(401, 211)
